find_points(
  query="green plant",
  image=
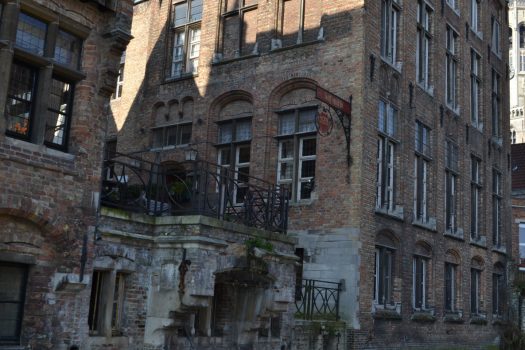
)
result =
(258, 242)
(513, 338)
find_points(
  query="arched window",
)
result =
(476, 281)
(384, 257)
(421, 278)
(498, 288)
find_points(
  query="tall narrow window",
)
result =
(475, 7)
(419, 282)
(496, 101)
(58, 113)
(475, 200)
(496, 208)
(424, 36)
(13, 279)
(450, 287)
(297, 152)
(452, 68)
(120, 79)
(453, 4)
(106, 304)
(475, 82)
(421, 168)
(389, 29)
(475, 291)
(299, 21)
(234, 148)
(20, 100)
(185, 38)
(386, 144)
(239, 27)
(496, 33)
(383, 273)
(498, 293)
(451, 180)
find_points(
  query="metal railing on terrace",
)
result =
(193, 188)
(317, 300)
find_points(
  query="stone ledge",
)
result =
(386, 314)
(423, 316)
(453, 317)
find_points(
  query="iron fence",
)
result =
(317, 300)
(194, 188)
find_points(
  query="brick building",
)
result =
(58, 65)
(517, 70)
(404, 203)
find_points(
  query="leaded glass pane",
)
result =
(287, 124)
(243, 131)
(19, 99)
(225, 133)
(185, 134)
(58, 112)
(67, 49)
(196, 10)
(307, 120)
(180, 16)
(31, 34)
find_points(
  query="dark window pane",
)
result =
(158, 138)
(244, 154)
(224, 156)
(171, 135)
(306, 190)
(287, 149)
(19, 99)
(12, 288)
(67, 49)
(244, 174)
(185, 134)
(308, 168)
(309, 147)
(31, 34)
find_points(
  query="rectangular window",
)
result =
(475, 83)
(452, 68)
(419, 283)
(450, 287)
(67, 49)
(185, 38)
(475, 291)
(58, 113)
(451, 183)
(496, 208)
(31, 34)
(20, 100)
(421, 165)
(118, 303)
(120, 83)
(389, 30)
(13, 280)
(383, 273)
(104, 300)
(239, 27)
(496, 33)
(475, 200)
(424, 36)
(385, 177)
(522, 241)
(475, 9)
(522, 61)
(496, 101)
(498, 293)
(172, 135)
(297, 156)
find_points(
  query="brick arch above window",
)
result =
(230, 105)
(477, 262)
(283, 89)
(387, 238)
(174, 110)
(423, 248)
(159, 114)
(452, 256)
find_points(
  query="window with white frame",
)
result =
(383, 275)
(522, 61)
(421, 169)
(496, 208)
(172, 135)
(424, 36)
(452, 68)
(521, 229)
(496, 104)
(185, 38)
(234, 148)
(419, 282)
(453, 4)
(475, 9)
(239, 27)
(451, 183)
(390, 11)
(450, 286)
(475, 291)
(386, 144)
(297, 156)
(475, 92)
(475, 197)
(496, 36)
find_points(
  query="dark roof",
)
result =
(518, 166)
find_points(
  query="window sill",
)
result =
(480, 241)
(477, 34)
(478, 127)
(427, 90)
(182, 77)
(498, 320)
(454, 110)
(453, 317)
(4, 43)
(496, 141)
(480, 319)
(458, 234)
(32, 147)
(396, 214)
(454, 10)
(500, 249)
(302, 202)
(219, 61)
(427, 315)
(397, 66)
(428, 225)
(12, 347)
(168, 148)
(278, 48)
(386, 312)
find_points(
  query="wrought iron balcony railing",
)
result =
(317, 300)
(194, 188)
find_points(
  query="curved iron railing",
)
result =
(194, 188)
(317, 300)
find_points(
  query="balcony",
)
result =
(317, 300)
(193, 188)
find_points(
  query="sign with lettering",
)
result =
(333, 101)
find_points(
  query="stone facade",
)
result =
(262, 77)
(51, 179)
(517, 64)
